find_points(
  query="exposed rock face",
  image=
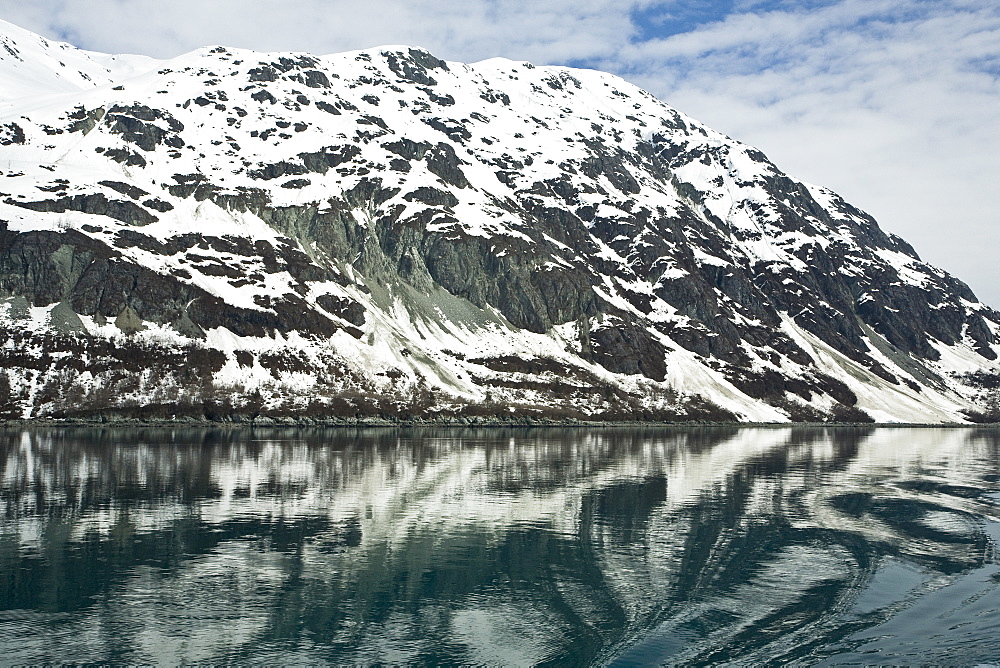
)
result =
(384, 232)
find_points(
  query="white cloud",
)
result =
(556, 30)
(893, 103)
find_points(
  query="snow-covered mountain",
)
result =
(386, 233)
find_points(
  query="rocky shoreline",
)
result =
(475, 421)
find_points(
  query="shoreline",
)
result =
(477, 422)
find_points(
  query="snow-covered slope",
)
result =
(382, 232)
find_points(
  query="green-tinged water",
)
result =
(502, 546)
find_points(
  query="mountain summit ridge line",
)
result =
(240, 235)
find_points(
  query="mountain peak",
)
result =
(382, 232)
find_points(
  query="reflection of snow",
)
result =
(441, 481)
(528, 480)
(487, 630)
(213, 604)
(385, 505)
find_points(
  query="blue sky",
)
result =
(895, 104)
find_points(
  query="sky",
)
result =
(894, 104)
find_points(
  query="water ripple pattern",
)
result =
(568, 546)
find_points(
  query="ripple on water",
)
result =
(505, 546)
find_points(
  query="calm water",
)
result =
(516, 546)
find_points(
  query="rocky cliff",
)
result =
(241, 234)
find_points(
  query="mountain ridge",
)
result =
(386, 233)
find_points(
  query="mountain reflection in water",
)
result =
(513, 546)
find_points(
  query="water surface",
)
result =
(515, 546)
